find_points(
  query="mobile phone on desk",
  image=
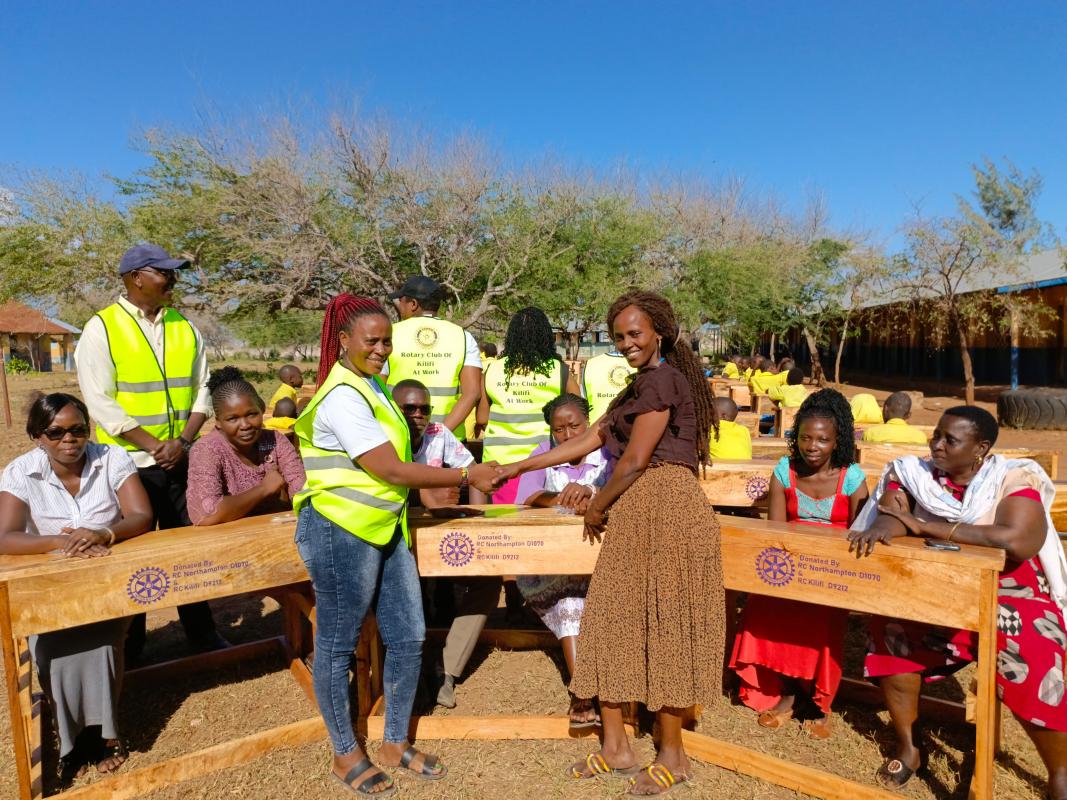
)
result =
(937, 544)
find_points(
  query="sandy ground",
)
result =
(181, 716)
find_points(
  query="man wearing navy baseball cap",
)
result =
(142, 368)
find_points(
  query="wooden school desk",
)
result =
(158, 570)
(167, 568)
(796, 562)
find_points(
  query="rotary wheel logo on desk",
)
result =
(775, 566)
(147, 585)
(757, 487)
(456, 549)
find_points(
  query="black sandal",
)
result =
(115, 750)
(427, 772)
(72, 767)
(366, 789)
(894, 774)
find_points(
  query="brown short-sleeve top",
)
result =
(658, 389)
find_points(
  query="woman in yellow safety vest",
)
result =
(515, 389)
(352, 535)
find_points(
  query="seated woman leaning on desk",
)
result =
(240, 469)
(78, 498)
(963, 494)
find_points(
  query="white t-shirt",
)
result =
(441, 448)
(344, 421)
(32, 480)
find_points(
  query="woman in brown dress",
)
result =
(653, 626)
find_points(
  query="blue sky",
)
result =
(876, 105)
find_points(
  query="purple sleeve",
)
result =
(289, 463)
(531, 482)
(206, 486)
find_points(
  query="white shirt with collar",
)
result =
(32, 480)
(96, 375)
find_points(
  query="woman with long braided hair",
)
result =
(352, 535)
(515, 390)
(654, 619)
(240, 469)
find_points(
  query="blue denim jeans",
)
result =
(348, 575)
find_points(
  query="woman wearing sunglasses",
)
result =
(77, 498)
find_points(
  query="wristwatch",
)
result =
(186, 444)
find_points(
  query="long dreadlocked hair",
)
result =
(227, 382)
(530, 345)
(827, 404)
(341, 312)
(676, 351)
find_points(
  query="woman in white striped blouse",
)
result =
(75, 497)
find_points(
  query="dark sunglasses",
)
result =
(166, 274)
(411, 408)
(57, 433)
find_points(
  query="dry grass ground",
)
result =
(181, 716)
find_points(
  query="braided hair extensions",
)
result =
(341, 312)
(676, 351)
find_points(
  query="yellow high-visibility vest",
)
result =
(431, 351)
(516, 420)
(605, 376)
(158, 395)
(339, 489)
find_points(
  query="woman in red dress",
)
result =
(786, 647)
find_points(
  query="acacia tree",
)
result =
(1005, 218)
(59, 240)
(592, 258)
(951, 266)
(864, 277)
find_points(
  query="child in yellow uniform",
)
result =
(291, 381)
(895, 429)
(283, 417)
(763, 376)
(792, 393)
(734, 442)
(865, 410)
(730, 369)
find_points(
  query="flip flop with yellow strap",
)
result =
(661, 776)
(598, 767)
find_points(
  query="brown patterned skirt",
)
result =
(654, 619)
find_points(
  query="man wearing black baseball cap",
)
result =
(142, 368)
(436, 352)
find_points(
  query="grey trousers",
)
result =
(481, 596)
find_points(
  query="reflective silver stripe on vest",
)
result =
(367, 499)
(153, 386)
(505, 441)
(160, 419)
(503, 416)
(443, 391)
(330, 462)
